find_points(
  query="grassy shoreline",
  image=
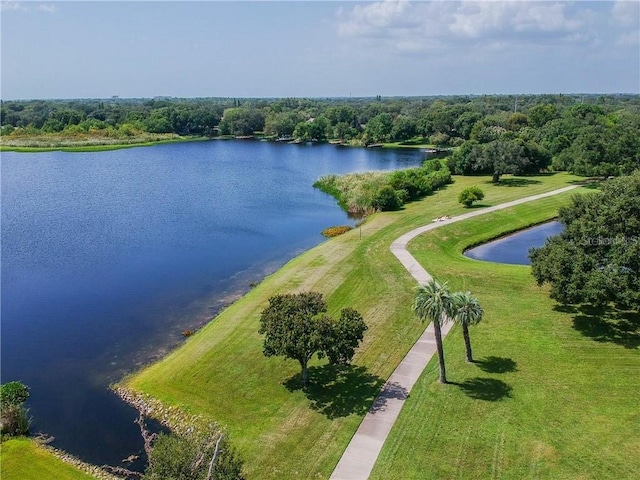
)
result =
(99, 147)
(94, 145)
(281, 431)
(24, 458)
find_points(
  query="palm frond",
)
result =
(432, 302)
(466, 308)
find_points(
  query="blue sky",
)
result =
(317, 49)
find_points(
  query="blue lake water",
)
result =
(514, 249)
(108, 256)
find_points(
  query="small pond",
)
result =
(514, 249)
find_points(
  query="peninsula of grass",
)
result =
(280, 430)
(553, 393)
(24, 459)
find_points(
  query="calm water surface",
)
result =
(514, 249)
(108, 256)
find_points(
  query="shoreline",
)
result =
(101, 147)
(508, 233)
(104, 147)
(322, 267)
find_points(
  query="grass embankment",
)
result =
(86, 143)
(554, 394)
(23, 459)
(416, 143)
(281, 431)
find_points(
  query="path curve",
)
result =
(361, 454)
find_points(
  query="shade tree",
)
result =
(298, 327)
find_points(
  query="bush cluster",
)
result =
(470, 195)
(14, 418)
(363, 193)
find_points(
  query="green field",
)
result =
(281, 431)
(23, 459)
(554, 394)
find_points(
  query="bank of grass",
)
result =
(281, 431)
(416, 142)
(24, 459)
(84, 143)
(544, 399)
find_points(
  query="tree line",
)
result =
(585, 134)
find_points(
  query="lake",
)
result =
(108, 256)
(514, 248)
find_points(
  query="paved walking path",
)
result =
(362, 452)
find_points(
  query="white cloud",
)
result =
(48, 8)
(373, 17)
(18, 6)
(12, 6)
(626, 13)
(476, 24)
(629, 39)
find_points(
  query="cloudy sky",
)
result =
(70, 49)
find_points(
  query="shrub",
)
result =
(387, 199)
(188, 457)
(13, 393)
(14, 418)
(470, 195)
(336, 230)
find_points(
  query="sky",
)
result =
(98, 49)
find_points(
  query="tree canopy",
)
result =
(596, 259)
(470, 195)
(297, 326)
(584, 134)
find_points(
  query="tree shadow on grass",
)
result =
(590, 183)
(606, 324)
(338, 391)
(391, 391)
(497, 365)
(515, 182)
(478, 205)
(488, 389)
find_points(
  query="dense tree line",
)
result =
(585, 134)
(596, 259)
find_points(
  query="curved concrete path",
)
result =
(362, 452)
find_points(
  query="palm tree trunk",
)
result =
(467, 342)
(438, 333)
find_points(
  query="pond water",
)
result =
(108, 256)
(514, 249)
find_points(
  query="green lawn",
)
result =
(281, 431)
(555, 394)
(24, 459)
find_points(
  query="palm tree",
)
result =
(466, 311)
(433, 302)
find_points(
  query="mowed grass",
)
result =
(281, 431)
(544, 400)
(24, 459)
